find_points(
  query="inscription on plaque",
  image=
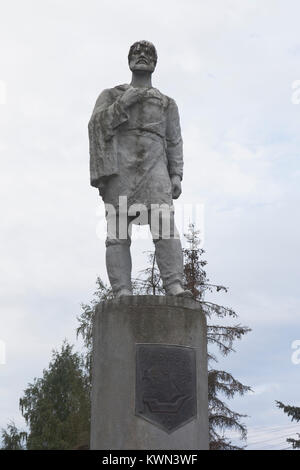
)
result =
(166, 385)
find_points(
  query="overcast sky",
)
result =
(230, 65)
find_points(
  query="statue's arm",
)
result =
(109, 113)
(174, 141)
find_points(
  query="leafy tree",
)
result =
(85, 319)
(12, 438)
(56, 407)
(221, 417)
(294, 413)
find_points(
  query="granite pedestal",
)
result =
(149, 384)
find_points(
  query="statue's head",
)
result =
(142, 57)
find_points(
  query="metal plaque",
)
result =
(166, 385)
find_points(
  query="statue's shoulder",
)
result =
(121, 88)
(109, 95)
(167, 100)
(115, 91)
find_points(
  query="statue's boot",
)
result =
(118, 265)
(169, 260)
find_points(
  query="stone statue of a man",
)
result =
(136, 162)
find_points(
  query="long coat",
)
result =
(135, 152)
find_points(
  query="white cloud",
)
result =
(266, 388)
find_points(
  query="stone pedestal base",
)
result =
(149, 387)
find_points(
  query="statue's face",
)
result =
(142, 59)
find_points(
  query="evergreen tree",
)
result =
(12, 438)
(56, 407)
(220, 383)
(294, 413)
(149, 281)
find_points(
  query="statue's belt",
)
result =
(141, 130)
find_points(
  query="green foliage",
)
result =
(221, 417)
(56, 407)
(149, 281)
(294, 413)
(12, 438)
(85, 319)
(195, 277)
(220, 383)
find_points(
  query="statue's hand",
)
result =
(102, 186)
(176, 186)
(131, 96)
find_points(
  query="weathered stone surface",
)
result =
(136, 162)
(122, 327)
